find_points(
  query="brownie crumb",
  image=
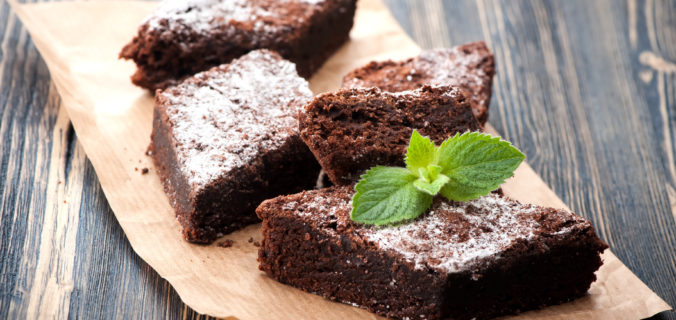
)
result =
(135, 169)
(227, 243)
(144, 171)
(256, 244)
(251, 240)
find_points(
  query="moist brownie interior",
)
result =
(461, 260)
(227, 139)
(183, 37)
(470, 66)
(352, 130)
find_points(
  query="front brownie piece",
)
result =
(227, 139)
(352, 130)
(460, 260)
(183, 37)
(470, 66)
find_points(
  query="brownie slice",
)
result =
(183, 37)
(352, 130)
(227, 139)
(470, 66)
(460, 260)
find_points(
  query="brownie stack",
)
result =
(235, 124)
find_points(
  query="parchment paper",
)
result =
(80, 41)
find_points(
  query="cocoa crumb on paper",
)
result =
(227, 243)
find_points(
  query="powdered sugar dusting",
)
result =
(426, 243)
(223, 118)
(454, 67)
(328, 207)
(451, 237)
(457, 66)
(451, 92)
(205, 15)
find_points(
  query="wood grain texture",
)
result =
(586, 89)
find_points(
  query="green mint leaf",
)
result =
(464, 167)
(431, 188)
(420, 153)
(386, 195)
(476, 164)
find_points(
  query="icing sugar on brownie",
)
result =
(454, 67)
(224, 117)
(451, 237)
(456, 236)
(204, 15)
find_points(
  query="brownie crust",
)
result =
(469, 66)
(310, 243)
(352, 130)
(177, 41)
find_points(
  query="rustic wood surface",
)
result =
(587, 89)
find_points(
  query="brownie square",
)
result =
(470, 66)
(182, 37)
(352, 130)
(227, 139)
(460, 260)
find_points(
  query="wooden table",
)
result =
(587, 89)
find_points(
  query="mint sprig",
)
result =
(464, 167)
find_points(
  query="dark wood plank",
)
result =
(24, 84)
(585, 89)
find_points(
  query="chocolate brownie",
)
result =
(227, 139)
(352, 130)
(460, 260)
(183, 37)
(470, 66)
